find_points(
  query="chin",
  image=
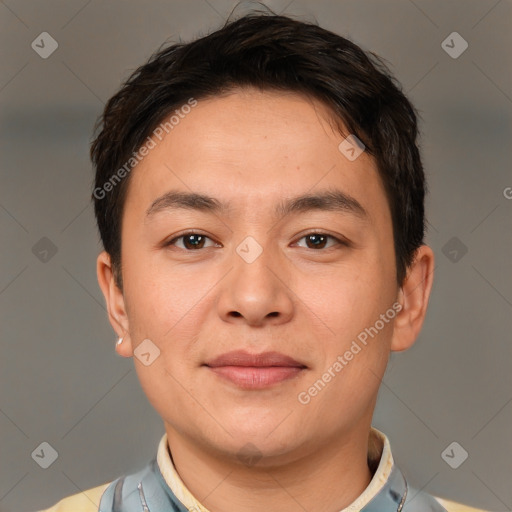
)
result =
(264, 443)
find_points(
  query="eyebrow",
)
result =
(329, 200)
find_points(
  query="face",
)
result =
(250, 296)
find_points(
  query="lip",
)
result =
(255, 371)
(244, 358)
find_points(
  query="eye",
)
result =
(319, 240)
(191, 241)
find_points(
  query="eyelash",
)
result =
(337, 240)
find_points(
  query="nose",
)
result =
(256, 292)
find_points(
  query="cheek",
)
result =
(158, 297)
(350, 303)
(169, 392)
(169, 309)
(348, 299)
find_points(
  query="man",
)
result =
(260, 198)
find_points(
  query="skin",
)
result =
(254, 149)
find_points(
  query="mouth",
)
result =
(255, 371)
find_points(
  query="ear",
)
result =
(115, 303)
(413, 296)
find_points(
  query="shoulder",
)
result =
(421, 501)
(451, 506)
(86, 501)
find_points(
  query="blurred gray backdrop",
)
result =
(61, 381)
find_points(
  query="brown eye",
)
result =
(316, 241)
(194, 241)
(320, 240)
(191, 241)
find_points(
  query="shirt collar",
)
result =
(379, 455)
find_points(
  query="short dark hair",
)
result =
(270, 53)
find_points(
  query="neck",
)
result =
(322, 478)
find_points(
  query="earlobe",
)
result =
(124, 346)
(413, 296)
(115, 303)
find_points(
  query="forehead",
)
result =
(250, 148)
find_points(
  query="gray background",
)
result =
(61, 381)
